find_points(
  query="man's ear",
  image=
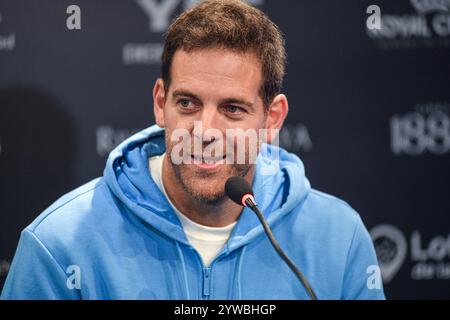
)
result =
(159, 99)
(276, 114)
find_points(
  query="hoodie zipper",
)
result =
(206, 283)
(206, 290)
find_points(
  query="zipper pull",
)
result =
(206, 281)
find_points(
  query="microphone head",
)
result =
(237, 188)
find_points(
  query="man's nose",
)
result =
(211, 123)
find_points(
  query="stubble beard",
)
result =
(190, 179)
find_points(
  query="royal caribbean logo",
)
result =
(428, 26)
(159, 14)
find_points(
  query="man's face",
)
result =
(218, 89)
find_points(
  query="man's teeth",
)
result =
(211, 161)
(207, 160)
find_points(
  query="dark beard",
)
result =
(240, 170)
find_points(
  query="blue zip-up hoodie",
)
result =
(117, 237)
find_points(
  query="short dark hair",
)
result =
(230, 24)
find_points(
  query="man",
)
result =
(158, 224)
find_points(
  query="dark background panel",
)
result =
(369, 115)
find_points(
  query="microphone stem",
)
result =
(283, 256)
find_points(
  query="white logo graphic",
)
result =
(7, 43)
(73, 22)
(142, 53)
(431, 259)
(160, 12)
(391, 247)
(428, 27)
(427, 6)
(108, 138)
(426, 129)
(295, 138)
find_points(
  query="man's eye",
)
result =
(184, 103)
(233, 109)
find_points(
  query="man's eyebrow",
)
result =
(184, 93)
(238, 101)
(188, 94)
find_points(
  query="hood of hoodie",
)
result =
(279, 185)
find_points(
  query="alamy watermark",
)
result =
(73, 21)
(73, 277)
(374, 279)
(213, 146)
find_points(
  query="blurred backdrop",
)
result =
(369, 111)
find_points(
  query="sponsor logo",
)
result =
(390, 245)
(7, 42)
(108, 138)
(426, 129)
(430, 259)
(428, 26)
(295, 138)
(159, 15)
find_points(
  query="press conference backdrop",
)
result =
(369, 112)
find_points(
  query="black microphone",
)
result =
(239, 190)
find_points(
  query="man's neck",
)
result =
(220, 214)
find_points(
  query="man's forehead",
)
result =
(220, 68)
(216, 63)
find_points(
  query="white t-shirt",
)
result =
(208, 241)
